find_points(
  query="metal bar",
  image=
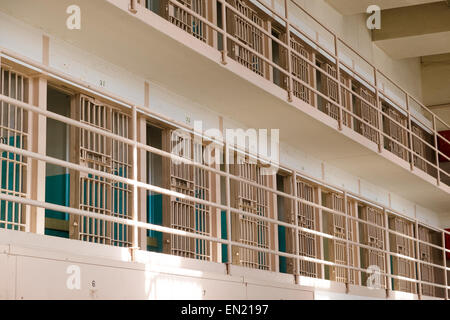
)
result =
(388, 248)
(419, 275)
(444, 258)
(436, 148)
(228, 204)
(135, 212)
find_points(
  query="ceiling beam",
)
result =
(415, 31)
(350, 7)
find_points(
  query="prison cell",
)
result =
(307, 219)
(425, 254)
(346, 99)
(394, 125)
(340, 228)
(368, 112)
(248, 34)
(279, 55)
(121, 166)
(300, 69)
(422, 152)
(327, 85)
(372, 236)
(184, 214)
(353, 235)
(95, 193)
(14, 132)
(285, 207)
(404, 246)
(249, 230)
(185, 21)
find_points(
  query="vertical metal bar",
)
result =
(339, 95)
(387, 249)
(419, 275)
(297, 243)
(436, 149)
(347, 248)
(228, 200)
(133, 6)
(321, 242)
(445, 265)
(135, 240)
(379, 110)
(411, 143)
(290, 84)
(224, 35)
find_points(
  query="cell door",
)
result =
(307, 219)
(57, 178)
(346, 99)
(247, 34)
(338, 229)
(14, 131)
(398, 135)
(95, 193)
(401, 245)
(185, 214)
(182, 19)
(373, 236)
(249, 230)
(419, 147)
(425, 254)
(368, 113)
(300, 69)
(279, 57)
(329, 87)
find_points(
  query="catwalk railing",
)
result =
(329, 233)
(293, 50)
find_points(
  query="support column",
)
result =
(39, 145)
(142, 176)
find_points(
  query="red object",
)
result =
(443, 146)
(447, 243)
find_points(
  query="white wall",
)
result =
(37, 267)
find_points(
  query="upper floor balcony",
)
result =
(280, 68)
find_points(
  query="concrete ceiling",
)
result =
(348, 7)
(415, 31)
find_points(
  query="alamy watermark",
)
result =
(254, 145)
(73, 281)
(374, 279)
(73, 22)
(374, 20)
